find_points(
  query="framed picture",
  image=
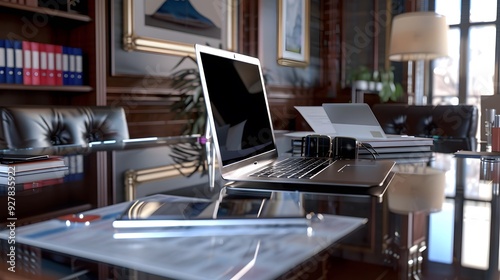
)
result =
(173, 27)
(293, 32)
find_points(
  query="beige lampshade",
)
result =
(417, 190)
(417, 36)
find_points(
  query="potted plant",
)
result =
(389, 91)
(365, 79)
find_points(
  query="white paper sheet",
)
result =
(317, 119)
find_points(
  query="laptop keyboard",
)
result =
(294, 167)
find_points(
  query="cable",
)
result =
(370, 149)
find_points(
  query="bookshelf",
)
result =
(82, 28)
(78, 24)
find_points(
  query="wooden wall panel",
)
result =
(148, 114)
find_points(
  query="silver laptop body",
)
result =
(354, 120)
(241, 125)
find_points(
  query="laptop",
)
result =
(354, 120)
(242, 132)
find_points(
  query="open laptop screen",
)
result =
(244, 130)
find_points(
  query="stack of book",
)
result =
(34, 63)
(22, 172)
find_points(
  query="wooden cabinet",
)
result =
(82, 25)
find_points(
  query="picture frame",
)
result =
(156, 26)
(293, 33)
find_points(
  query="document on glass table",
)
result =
(256, 253)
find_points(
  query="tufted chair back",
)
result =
(453, 127)
(36, 126)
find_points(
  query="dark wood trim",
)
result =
(248, 27)
(330, 50)
(47, 11)
(101, 36)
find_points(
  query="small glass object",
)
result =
(495, 135)
(488, 124)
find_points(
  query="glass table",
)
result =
(96, 250)
(367, 219)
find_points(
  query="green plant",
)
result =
(362, 73)
(190, 106)
(390, 90)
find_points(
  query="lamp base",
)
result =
(412, 100)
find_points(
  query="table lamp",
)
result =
(419, 37)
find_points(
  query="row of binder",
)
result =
(34, 63)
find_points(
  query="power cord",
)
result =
(370, 149)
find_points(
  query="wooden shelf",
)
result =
(47, 11)
(46, 88)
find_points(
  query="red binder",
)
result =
(35, 63)
(43, 63)
(59, 64)
(27, 63)
(51, 61)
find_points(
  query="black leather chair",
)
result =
(453, 127)
(37, 126)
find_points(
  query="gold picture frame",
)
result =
(293, 33)
(137, 178)
(142, 30)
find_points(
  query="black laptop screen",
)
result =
(239, 108)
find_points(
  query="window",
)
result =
(464, 77)
(469, 71)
